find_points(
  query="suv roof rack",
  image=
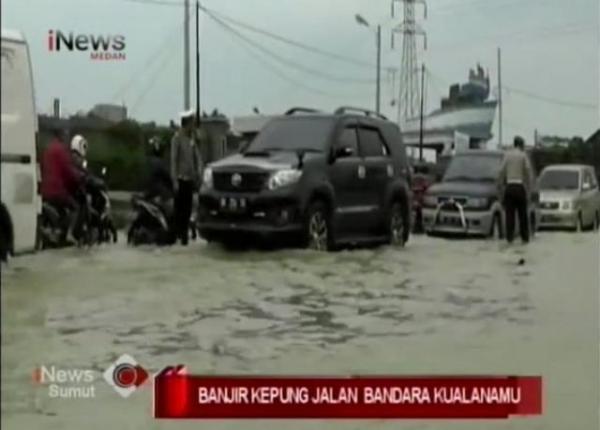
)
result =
(345, 109)
(294, 110)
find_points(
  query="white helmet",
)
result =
(79, 145)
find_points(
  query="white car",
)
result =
(569, 197)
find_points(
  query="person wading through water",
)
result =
(516, 176)
(186, 172)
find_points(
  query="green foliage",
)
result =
(121, 149)
(578, 152)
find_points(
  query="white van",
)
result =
(20, 202)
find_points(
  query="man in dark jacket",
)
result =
(159, 183)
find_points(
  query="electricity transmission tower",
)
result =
(409, 93)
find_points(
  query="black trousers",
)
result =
(515, 203)
(183, 210)
(69, 210)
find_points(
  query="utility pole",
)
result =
(378, 95)
(186, 56)
(499, 98)
(362, 21)
(197, 63)
(408, 97)
(422, 108)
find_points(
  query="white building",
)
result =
(109, 112)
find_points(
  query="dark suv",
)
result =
(325, 178)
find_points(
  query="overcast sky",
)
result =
(550, 48)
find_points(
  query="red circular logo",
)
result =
(125, 375)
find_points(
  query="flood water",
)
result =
(436, 307)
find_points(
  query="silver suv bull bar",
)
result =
(455, 204)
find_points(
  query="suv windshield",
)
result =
(474, 168)
(293, 134)
(559, 180)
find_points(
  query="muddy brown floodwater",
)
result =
(436, 307)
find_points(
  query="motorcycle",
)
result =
(94, 223)
(151, 223)
(100, 220)
(52, 228)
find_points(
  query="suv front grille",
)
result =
(250, 182)
(460, 200)
(549, 205)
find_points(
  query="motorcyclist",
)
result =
(79, 147)
(159, 184)
(60, 181)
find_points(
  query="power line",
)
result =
(532, 95)
(529, 34)
(265, 62)
(158, 2)
(152, 81)
(267, 33)
(286, 61)
(291, 42)
(551, 100)
(155, 55)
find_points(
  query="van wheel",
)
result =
(317, 228)
(3, 245)
(397, 225)
(496, 229)
(6, 234)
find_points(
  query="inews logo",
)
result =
(125, 375)
(101, 47)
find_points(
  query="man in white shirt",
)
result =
(186, 168)
(515, 180)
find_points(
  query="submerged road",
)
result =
(436, 307)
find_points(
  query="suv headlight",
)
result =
(429, 200)
(281, 178)
(207, 178)
(567, 205)
(477, 202)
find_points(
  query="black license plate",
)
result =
(233, 204)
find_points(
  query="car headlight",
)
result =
(567, 204)
(281, 178)
(207, 178)
(430, 200)
(477, 202)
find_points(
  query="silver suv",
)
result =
(569, 197)
(466, 200)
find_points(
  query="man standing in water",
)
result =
(516, 176)
(186, 166)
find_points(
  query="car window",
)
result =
(559, 180)
(371, 143)
(348, 138)
(293, 134)
(472, 167)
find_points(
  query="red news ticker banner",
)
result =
(181, 396)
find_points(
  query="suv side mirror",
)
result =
(243, 146)
(586, 186)
(343, 152)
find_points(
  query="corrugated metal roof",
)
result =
(14, 35)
